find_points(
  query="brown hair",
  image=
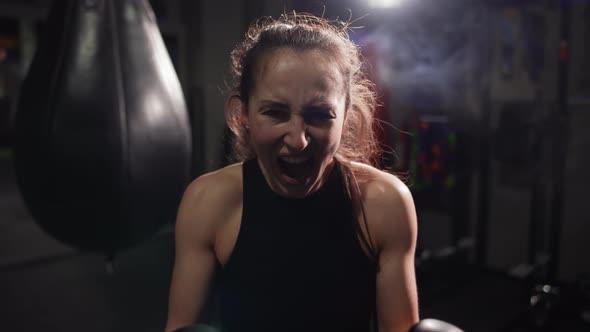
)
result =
(307, 32)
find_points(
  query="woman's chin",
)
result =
(294, 187)
(295, 184)
(292, 181)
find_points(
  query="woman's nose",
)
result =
(297, 138)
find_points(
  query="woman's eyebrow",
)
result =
(319, 106)
(273, 103)
(320, 101)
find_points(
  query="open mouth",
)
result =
(296, 170)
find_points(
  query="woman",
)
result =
(308, 234)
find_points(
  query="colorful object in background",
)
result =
(432, 157)
(9, 40)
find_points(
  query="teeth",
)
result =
(294, 160)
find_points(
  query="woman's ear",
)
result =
(243, 114)
(238, 106)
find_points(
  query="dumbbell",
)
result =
(434, 325)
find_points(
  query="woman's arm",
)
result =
(194, 263)
(392, 217)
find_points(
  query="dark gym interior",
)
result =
(487, 105)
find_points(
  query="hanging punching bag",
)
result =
(102, 151)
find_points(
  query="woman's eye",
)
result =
(319, 116)
(276, 114)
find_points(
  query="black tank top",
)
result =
(297, 264)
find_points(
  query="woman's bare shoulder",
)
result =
(208, 201)
(217, 188)
(389, 205)
(377, 184)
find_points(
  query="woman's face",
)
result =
(295, 116)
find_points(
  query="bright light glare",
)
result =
(385, 3)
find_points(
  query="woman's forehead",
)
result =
(278, 56)
(286, 67)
